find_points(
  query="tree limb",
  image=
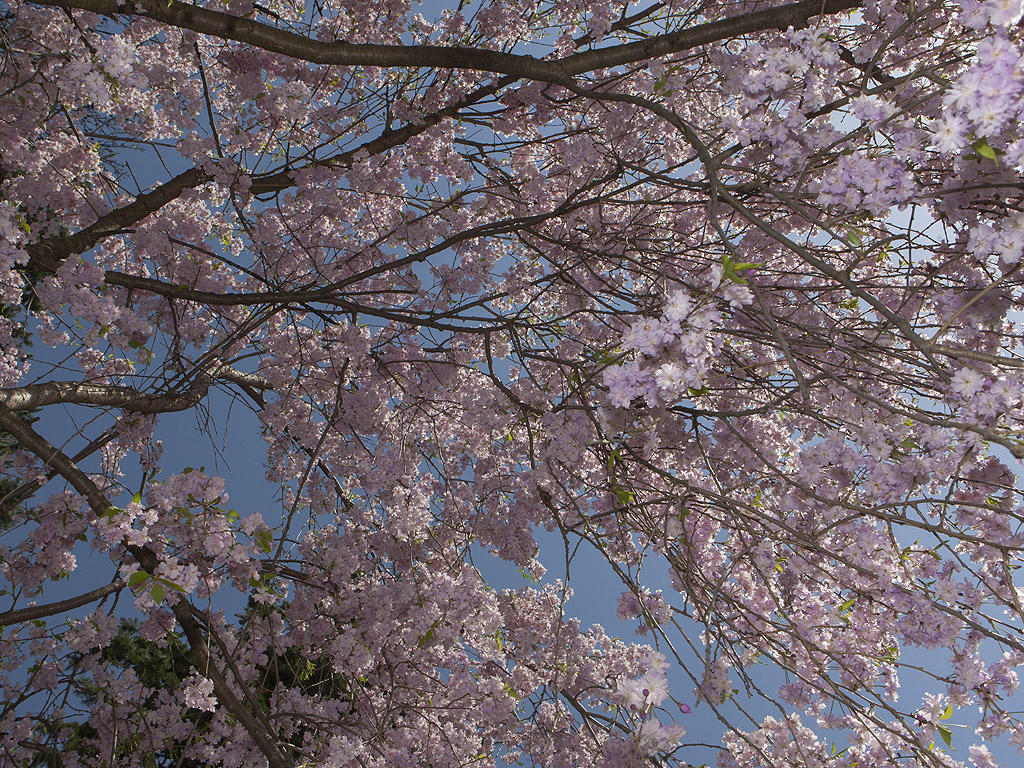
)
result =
(40, 611)
(48, 255)
(269, 38)
(82, 393)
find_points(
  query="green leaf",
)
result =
(172, 585)
(158, 592)
(730, 268)
(264, 540)
(984, 149)
(946, 734)
(137, 578)
(947, 713)
(137, 498)
(429, 635)
(611, 459)
(847, 605)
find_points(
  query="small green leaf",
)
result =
(264, 540)
(172, 585)
(137, 578)
(611, 459)
(984, 149)
(946, 734)
(158, 592)
(947, 713)
(137, 498)
(429, 635)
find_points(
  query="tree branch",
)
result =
(82, 393)
(781, 17)
(269, 38)
(48, 255)
(39, 611)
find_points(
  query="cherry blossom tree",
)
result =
(727, 291)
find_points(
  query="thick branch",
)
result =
(781, 17)
(81, 393)
(61, 606)
(269, 38)
(53, 457)
(48, 255)
(108, 395)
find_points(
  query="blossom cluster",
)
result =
(673, 352)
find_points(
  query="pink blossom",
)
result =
(197, 693)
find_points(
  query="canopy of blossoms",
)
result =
(727, 292)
